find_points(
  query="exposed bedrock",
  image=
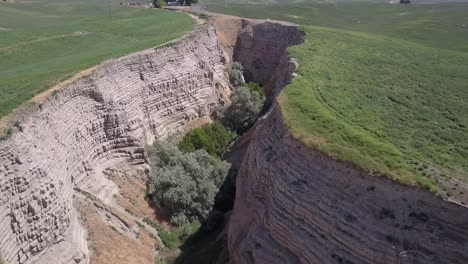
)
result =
(261, 47)
(104, 121)
(296, 205)
(98, 122)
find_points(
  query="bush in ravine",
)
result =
(214, 138)
(185, 184)
(257, 88)
(243, 111)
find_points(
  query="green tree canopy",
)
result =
(214, 138)
(185, 184)
(245, 107)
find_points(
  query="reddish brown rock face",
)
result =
(296, 205)
(261, 47)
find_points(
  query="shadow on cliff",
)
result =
(261, 47)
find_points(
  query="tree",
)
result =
(214, 138)
(185, 184)
(245, 107)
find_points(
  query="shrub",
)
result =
(243, 111)
(185, 184)
(213, 138)
(257, 88)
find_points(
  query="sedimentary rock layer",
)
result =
(98, 122)
(296, 205)
(261, 47)
(105, 120)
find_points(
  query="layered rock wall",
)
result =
(104, 121)
(296, 205)
(293, 204)
(98, 122)
(261, 47)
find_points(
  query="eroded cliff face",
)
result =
(261, 47)
(77, 168)
(293, 204)
(57, 197)
(99, 122)
(296, 205)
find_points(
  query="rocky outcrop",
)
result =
(296, 205)
(95, 123)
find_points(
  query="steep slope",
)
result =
(293, 204)
(297, 205)
(98, 122)
(54, 169)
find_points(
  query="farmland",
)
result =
(45, 42)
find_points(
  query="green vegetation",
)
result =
(44, 42)
(241, 114)
(434, 25)
(185, 184)
(392, 100)
(255, 87)
(214, 138)
(173, 237)
(247, 101)
(378, 102)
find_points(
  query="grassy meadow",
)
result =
(383, 86)
(439, 25)
(45, 42)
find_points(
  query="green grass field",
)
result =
(383, 86)
(45, 42)
(437, 25)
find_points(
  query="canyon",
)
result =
(77, 165)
